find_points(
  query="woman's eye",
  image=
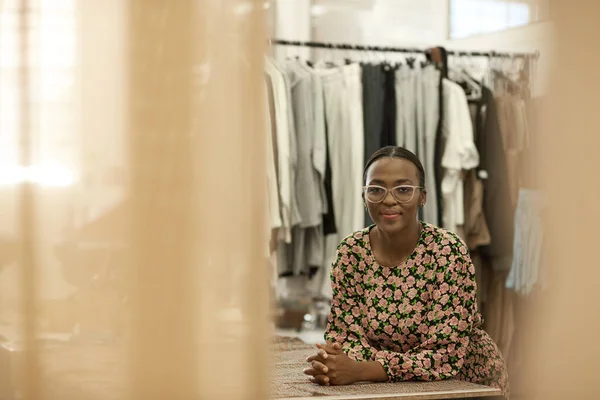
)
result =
(404, 189)
(374, 190)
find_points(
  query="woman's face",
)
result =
(390, 215)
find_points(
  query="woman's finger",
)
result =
(319, 366)
(320, 380)
(322, 353)
(311, 359)
(311, 371)
(335, 346)
(331, 348)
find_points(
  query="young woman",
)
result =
(404, 295)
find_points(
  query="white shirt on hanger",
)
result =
(274, 213)
(460, 153)
(284, 156)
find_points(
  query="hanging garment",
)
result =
(345, 140)
(388, 133)
(406, 107)
(329, 226)
(417, 105)
(296, 218)
(475, 230)
(528, 241)
(319, 148)
(353, 89)
(459, 153)
(429, 85)
(500, 322)
(320, 160)
(275, 221)
(285, 149)
(273, 214)
(272, 121)
(373, 81)
(343, 108)
(420, 113)
(308, 181)
(373, 84)
(339, 147)
(320, 152)
(496, 196)
(514, 129)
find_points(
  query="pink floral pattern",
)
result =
(418, 319)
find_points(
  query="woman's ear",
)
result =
(423, 199)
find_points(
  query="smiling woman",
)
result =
(404, 294)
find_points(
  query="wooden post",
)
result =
(200, 309)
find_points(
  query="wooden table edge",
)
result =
(450, 394)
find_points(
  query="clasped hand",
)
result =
(331, 366)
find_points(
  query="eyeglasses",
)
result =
(402, 194)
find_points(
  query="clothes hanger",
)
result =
(459, 74)
(410, 60)
(348, 58)
(475, 85)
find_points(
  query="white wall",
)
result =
(292, 22)
(404, 23)
(382, 22)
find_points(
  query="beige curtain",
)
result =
(134, 247)
(131, 191)
(563, 331)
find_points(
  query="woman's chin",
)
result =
(391, 225)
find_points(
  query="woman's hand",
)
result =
(331, 366)
(318, 370)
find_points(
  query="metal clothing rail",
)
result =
(386, 49)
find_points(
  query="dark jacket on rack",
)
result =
(492, 170)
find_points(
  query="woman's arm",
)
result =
(371, 371)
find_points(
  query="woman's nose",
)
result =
(389, 198)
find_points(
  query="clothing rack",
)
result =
(387, 49)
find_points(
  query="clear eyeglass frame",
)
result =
(393, 190)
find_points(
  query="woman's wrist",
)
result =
(369, 371)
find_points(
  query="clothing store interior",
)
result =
(294, 199)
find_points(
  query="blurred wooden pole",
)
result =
(164, 352)
(29, 276)
(200, 312)
(565, 350)
(231, 133)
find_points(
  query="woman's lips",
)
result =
(390, 214)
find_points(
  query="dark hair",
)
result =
(397, 152)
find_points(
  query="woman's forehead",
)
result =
(388, 168)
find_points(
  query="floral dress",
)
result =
(418, 319)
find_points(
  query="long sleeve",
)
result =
(344, 324)
(419, 324)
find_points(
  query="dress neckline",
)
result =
(410, 257)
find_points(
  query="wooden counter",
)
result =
(75, 372)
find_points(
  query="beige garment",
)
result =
(500, 324)
(475, 231)
(513, 123)
(482, 277)
(496, 304)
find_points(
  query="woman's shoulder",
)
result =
(353, 252)
(359, 238)
(444, 239)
